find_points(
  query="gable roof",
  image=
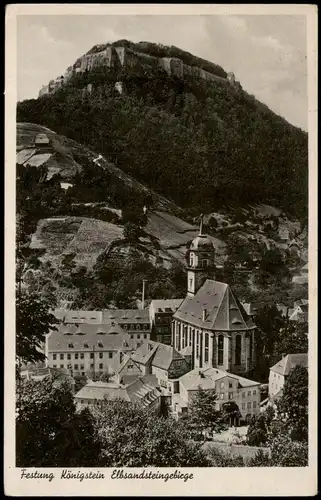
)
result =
(125, 315)
(71, 316)
(286, 364)
(224, 312)
(143, 389)
(206, 379)
(86, 339)
(160, 355)
(162, 305)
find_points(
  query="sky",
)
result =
(267, 53)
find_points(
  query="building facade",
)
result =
(161, 315)
(86, 349)
(280, 371)
(229, 388)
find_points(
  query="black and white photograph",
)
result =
(163, 313)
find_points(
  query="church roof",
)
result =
(223, 311)
(201, 241)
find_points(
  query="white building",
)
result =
(280, 371)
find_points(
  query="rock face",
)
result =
(123, 57)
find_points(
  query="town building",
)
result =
(300, 312)
(211, 320)
(228, 387)
(163, 361)
(280, 371)
(86, 349)
(161, 315)
(143, 390)
(135, 322)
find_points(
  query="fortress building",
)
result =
(118, 57)
(211, 324)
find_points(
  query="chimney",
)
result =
(204, 314)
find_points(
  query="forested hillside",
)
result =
(201, 144)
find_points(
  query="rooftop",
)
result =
(207, 378)
(143, 389)
(87, 338)
(223, 310)
(161, 355)
(286, 364)
(162, 305)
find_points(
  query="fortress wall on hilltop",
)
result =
(123, 57)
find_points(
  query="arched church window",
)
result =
(238, 349)
(220, 350)
(191, 259)
(251, 346)
(204, 262)
(206, 354)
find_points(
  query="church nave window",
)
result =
(220, 350)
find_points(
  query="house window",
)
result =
(249, 393)
(110, 354)
(238, 347)
(222, 385)
(230, 395)
(68, 356)
(138, 336)
(243, 395)
(204, 263)
(61, 366)
(91, 355)
(254, 404)
(145, 336)
(101, 366)
(132, 336)
(82, 367)
(76, 367)
(54, 356)
(230, 385)
(243, 406)
(82, 355)
(61, 356)
(101, 355)
(222, 395)
(54, 366)
(249, 404)
(76, 355)
(91, 366)
(70, 345)
(254, 392)
(83, 373)
(191, 260)
(220, 349)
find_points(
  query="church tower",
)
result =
(200, 261)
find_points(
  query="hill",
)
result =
(74, 225)
(199, 142)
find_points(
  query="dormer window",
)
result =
(70, 345)
(86, 345)
(100, 344)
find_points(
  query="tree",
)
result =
(259, 427)
(131, 231)
(132, 436)
(203, 415)
(231, 412)
(293, 406)
(33, 322)
(49, 431)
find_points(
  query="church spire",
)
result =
(201, 226)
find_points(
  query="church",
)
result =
(211, 326)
